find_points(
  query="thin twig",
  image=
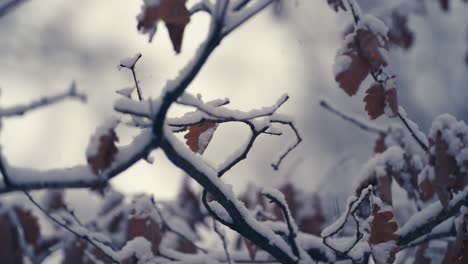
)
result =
(77, 234)
(132, 69)
(19, 110)
(361, 124)
(289, 222)
(298, 141)
(421, 144)
(223, 239)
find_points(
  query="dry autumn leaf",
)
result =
(445, 165)
(145, 227)
(378, 98)
(251, 248)
(375, 100)
(175, 15)
(350, 77)
(383, 238)
(199, 136)
(362, 54)
(102, 158)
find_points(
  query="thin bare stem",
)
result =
(69, 229)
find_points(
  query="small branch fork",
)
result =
(292, 228)
(135, 80)
(351, 208)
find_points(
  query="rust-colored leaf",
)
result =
(383, 237)
(199, 136)
(10, 251)
(173, 13)
(312, 223)
(350, 78)
(251, 248)
(147, 228)
(105, 154)
(30, 225)
(371, 46)
(375, 100)
(445, 166)
(74, 252)
(379, 145)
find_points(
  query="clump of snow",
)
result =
(381, 252)
(129, 62)
(374, 24)
(143, 208)
(126, 92)
(392, 158)
(342, 63)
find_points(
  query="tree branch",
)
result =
(20, 110)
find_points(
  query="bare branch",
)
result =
(360, 123)
(223, 239)
(45, 101)
(84, 237)
(132, 69)
(292, 228)
(287, 122)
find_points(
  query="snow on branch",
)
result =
(20, 110)
(366, 126)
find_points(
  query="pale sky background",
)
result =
(46, 44)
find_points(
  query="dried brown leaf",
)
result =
(198, 130)
(105, 154)
(251, 248)
(379, 145)
(30, 225)
(10, 251)
(375, 100)
(383, 230)
(175, 15)
(351, 78)
(145, 227)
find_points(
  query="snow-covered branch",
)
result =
(19, 110)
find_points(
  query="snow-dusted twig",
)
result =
(351, 208)
(19, 110)
(84, 237)
(277, 198)
(223, 239)
(131, 66)
(289, 123)
(242, 221)
(359, 123)
(423, 222)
